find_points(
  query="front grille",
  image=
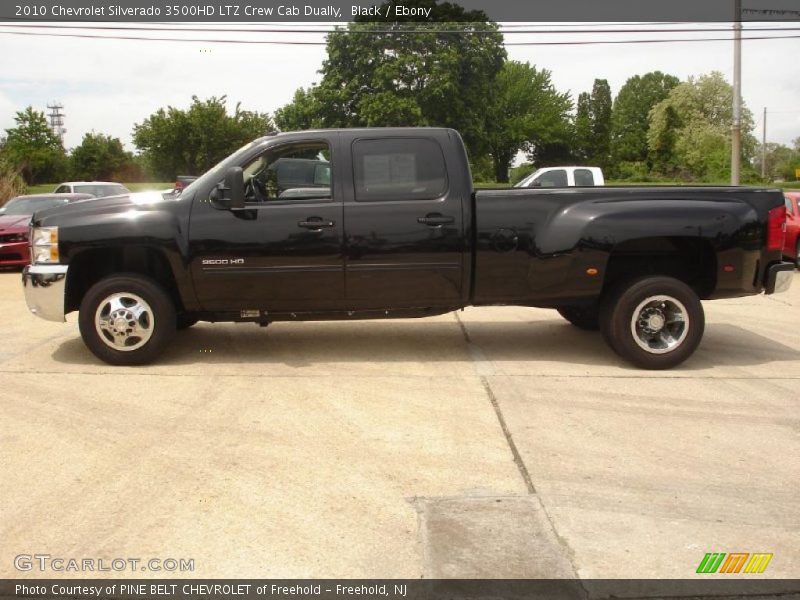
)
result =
(12, 237)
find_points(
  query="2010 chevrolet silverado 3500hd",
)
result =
(376, 223)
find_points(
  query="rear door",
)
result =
(404, 242)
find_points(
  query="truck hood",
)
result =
(96, 208)
(14, 223)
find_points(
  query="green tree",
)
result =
(526, 112)
(600, 103)
(630, 116)
(11, 184)
(303, 112)
(689, 132)
(99, 156)
(592, 125)
(189, 142)
(582, 146)
(399, 72)
(781, 161)
(33, 150)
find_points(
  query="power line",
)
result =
(416, 30)
(308, 43)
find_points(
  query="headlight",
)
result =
(44, 245)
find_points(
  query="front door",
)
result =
(283, 253)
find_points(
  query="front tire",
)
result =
(654, 322)
(127, 319)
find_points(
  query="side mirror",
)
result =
(230, 193)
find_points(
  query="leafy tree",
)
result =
(11, 184)
(630, 115)
(303, 112)
(99, 157)
(526, 112)
(600, 103)
(436, 73)
(582, 147)
(689, 130)
(189, 142)
(592, 125)
(781, 162)
(33, 150)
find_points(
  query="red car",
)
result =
(791, 244)
(14, 218)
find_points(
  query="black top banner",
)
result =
(249, 11)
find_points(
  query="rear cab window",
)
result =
(584, 178)
(386, 169)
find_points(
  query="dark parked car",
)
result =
(399, 231)
(15, 217)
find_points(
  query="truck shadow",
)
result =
(306, 344)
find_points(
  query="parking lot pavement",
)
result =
(491, 442)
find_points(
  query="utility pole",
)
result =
(57, 120)
(736, 127)
(764, 147)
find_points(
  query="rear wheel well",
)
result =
(690, 260)
(89, 267)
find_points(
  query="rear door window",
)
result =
(398, 169)
(584, 177)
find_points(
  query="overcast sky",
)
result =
(106, 85)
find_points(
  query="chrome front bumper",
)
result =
(44, 287)
(779, 278)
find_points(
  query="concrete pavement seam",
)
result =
(477, 357)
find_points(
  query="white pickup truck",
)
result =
(563, 177)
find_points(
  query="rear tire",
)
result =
(126, 319)
(583, 317)
(797, 253)
(653, 322)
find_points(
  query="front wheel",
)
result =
(126, 319)
(654, 322)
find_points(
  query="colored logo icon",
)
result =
(734, 562)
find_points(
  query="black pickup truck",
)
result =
(382, 223)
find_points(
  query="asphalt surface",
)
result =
(497, 442)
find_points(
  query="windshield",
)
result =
(101, 190)
(217, 172)
(28, 206)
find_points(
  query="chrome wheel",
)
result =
(659, 324)
(124, 321)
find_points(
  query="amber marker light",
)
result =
(591, 271)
